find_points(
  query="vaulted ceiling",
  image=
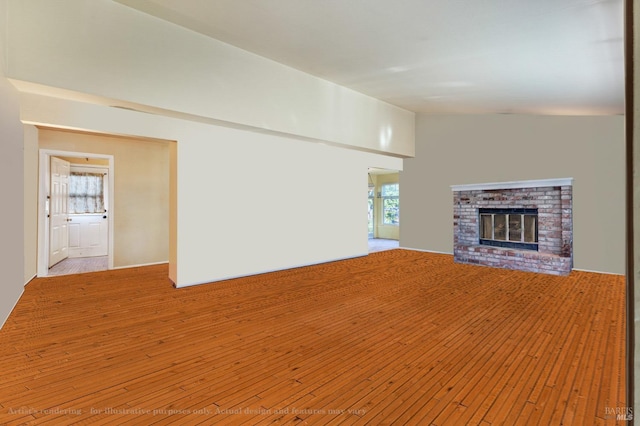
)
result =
(433, 56)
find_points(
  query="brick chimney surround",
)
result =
(490, 227)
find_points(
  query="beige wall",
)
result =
(11, 185)
(80, 161)
(467, 149)
(141, 193)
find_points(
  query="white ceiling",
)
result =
(433, 56)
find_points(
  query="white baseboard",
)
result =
(573, 269)
(270, 270)
(140, 265)
(4, 320)
(596, 272)
(30, 279)
(426, 251)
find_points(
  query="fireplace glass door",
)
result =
(512, 228)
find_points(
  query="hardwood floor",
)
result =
(397, 337)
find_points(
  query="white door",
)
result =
(89, 232)
(58, 211)
(88, 235)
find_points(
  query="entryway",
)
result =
(383, 209)
(74, 213)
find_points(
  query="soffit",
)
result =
(433, 56)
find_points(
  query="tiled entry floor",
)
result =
(79, 265)
(380, 244)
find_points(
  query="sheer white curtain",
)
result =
(86, 192)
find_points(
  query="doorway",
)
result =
(383, 212)
(75, 231)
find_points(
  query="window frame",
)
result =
(384, 197)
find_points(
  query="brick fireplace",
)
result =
(524, 225)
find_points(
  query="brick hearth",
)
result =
(552, 198)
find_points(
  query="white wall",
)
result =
(247, 202)
(11, 187)
(105, 49)
(466, 149)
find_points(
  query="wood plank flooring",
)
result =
(397, 337)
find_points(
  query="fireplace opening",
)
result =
(510, 228)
